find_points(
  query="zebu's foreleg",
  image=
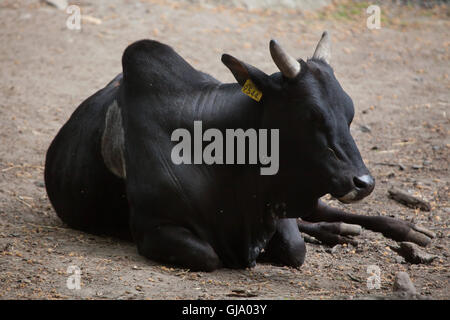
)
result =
(392, 228)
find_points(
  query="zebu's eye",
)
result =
(333, 152)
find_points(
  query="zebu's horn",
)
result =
(323, 49)
(288, 66)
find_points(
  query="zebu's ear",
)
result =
(243, 71)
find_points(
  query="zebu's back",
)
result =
(84, 193)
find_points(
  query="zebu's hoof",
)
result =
(419, 235)
(403, 231)
(346, 229)
(331, 233)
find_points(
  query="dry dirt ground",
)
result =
(398, 77)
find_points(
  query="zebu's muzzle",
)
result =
(362, 187)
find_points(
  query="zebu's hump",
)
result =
(150, 63)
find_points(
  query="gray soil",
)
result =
(398, 77)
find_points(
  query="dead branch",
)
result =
(408, 200)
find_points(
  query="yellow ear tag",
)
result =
(251, 90)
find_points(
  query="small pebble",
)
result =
(403, 283)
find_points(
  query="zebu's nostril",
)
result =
(365, 182)
(359, 183)
(364, 185)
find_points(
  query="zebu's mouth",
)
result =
(362, 187)
(350, 197)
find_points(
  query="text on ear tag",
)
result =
(251, 90)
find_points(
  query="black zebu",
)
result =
(109, 171)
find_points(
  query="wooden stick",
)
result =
(408, 200)
(399, 165)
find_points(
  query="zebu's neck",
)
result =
(224, 106)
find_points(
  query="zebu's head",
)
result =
(313, 113)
